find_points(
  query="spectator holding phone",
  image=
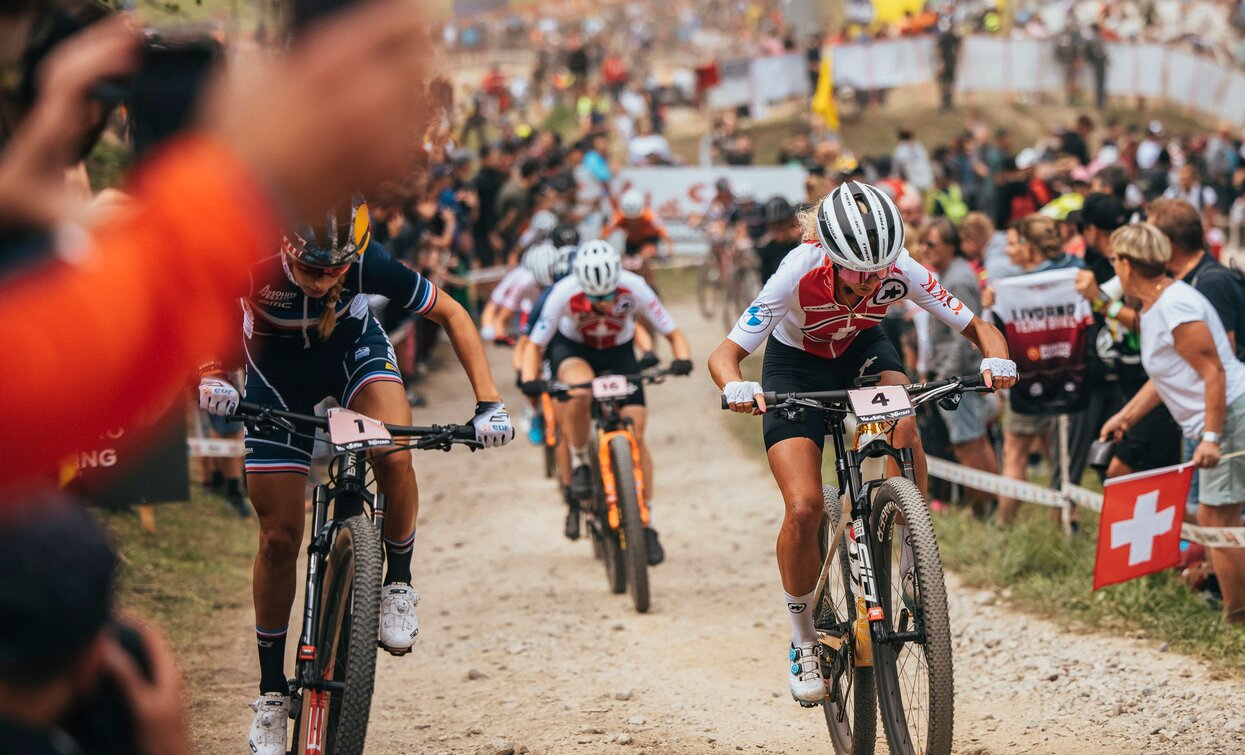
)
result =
(72, 678)
(1192, 370)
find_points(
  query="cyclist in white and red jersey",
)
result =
(515, 292)
(818, 316)
(586, 327)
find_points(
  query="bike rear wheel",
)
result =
(916, 687)
(631, 529)
(850, 707)
(335, 722)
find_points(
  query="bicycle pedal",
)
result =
(394, 653)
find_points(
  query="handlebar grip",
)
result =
(770, 397)
(464, 432)
(973, 381)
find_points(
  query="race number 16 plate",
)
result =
(882, 402)
(611, 386)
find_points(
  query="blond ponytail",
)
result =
(328, 318)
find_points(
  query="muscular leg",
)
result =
(576, 412)
(905, 435)
(796, 465)
(278, 502)
(386, 401)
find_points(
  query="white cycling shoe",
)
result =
(804, 674)
(272, 712)
(398, 624)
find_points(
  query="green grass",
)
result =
(1039, 570)
(196, 564)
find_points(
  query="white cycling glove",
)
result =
(218, 397)
(492, 423)
(487, 333)
(999, 367)
(741, 392)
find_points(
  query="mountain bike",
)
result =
(616, 514)
(742, 286)
(331, 694)
(884, 637)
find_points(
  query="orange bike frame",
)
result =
(551, 423)
(607, 475)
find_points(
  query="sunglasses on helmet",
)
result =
(316, 272)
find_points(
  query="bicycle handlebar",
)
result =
(654, 375)
(969, 383)
(246, 410)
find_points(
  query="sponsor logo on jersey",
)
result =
(755, 318)
(935, 289)
(277, 299)
(891, 291)
(389, 366)
(360, 353)
(624, 305)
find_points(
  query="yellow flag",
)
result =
(823, 99)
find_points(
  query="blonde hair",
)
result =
(1042, 233)
(807, 219)
(328, 318)
(1145, 247)
(976, 226)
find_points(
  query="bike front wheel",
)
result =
(335, 721)
(850, 706)
(709, 285)
(631, 530)
(916, 687)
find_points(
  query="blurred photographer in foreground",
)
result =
(74, 680)
(109, 322)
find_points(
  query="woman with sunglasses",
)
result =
(817, 316)
(309, 334)
(586, 328)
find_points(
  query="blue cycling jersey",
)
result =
(533, 314)
(276, 307)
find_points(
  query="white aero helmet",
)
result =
(566, 257)
(859, 227)
(539, 259)
(598, 268)
(631, 204)
(543, 222)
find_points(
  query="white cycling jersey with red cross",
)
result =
(569, 312)
(797, 304)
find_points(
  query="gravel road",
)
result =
(523, 647)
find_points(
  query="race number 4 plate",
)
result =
(883, 402)
(351, 430)
(610, 386)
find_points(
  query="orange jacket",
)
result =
(100, 342)
(637, 229)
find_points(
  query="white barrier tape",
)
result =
(1214, 537)
(215, 447)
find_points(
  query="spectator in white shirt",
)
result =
(1190, 188)
(1194, 372)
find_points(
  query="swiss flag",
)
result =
(1139, 531)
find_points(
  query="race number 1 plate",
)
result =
(351, 430)
(610, 386)
(882, 402)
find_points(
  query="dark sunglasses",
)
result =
(316, 272)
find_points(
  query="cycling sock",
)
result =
(398, 559)
(905, 551)
(271, 644)
(579, 456)
(801, 611)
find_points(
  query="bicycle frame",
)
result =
(608, 421)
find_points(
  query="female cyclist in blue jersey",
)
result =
(307, 335)
(817, 316)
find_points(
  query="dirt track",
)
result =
(523, 646)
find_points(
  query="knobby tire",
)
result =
(915, 683)
(635, 548)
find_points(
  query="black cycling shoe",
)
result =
(581, 482)
(656, 554)
(572, 523)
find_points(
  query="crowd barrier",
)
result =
(992, 64)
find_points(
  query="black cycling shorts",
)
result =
(617, 360)
(788, 370)
(634, 247)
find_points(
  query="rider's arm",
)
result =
(992, 344)
(614, 224)
(467, 346)
(679, 345)
(545, 326)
